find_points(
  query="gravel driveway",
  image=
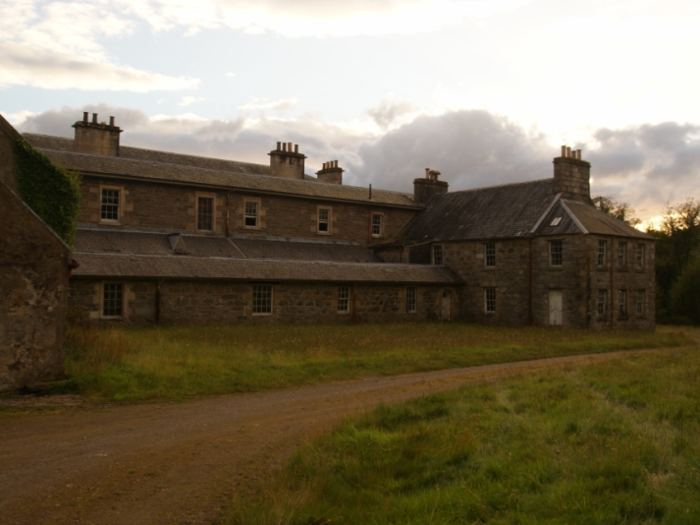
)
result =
(179, 463)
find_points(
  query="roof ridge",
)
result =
(495, 186)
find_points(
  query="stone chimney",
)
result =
(331, 173)
(286, 163)
(424, 189)
(572, 176)
(97, 138)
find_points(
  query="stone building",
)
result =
(34, 268)
(166, 238)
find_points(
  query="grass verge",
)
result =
(613, 443)
(126, 364)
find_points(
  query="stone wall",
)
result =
(231, 302)
(34, 267)
(170, 207)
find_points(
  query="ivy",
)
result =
(51, 191)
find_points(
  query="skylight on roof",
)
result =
(555, 221)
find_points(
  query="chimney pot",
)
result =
(278, 146)
(111, 122)
(85, 116)
(568, 151)
(94, 118)
(289, 147)
(578, 154)
(563, 151)
(296, 148)
(284, 146)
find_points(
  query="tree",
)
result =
(681, 224)
(620, 210)
(685, 295)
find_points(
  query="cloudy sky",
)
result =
(483, 90)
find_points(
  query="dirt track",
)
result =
(178, 463)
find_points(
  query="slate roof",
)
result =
(115, 265)
(510, 210)
(599, 223)
(95, 240)
(187, 169)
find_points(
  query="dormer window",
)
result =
(555, 221)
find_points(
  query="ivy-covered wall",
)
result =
(51, 191)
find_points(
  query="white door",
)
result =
(555, 307)
(445, 306)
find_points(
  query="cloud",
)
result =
(186, 101)
(278, 106)
(646, 165)
(389, 111)
(38, 67)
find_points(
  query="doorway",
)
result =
(445, 306)
(555, 308)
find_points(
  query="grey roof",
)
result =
(112, 265)
(510, 210)
(96, 240)
(187, 169)
(596, 222)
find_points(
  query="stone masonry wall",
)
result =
(146, 205)
(34, 266)
(231, 302)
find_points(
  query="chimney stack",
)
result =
(572, 176)
(95, 138)
(425, 189)
(331, 173)
(287, 162)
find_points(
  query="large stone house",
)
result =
(168, 238)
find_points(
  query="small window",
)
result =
(641, 302)
(556, 253)
(555, 221)
(109, 205)
(251, 214)
(640, 256)
(411, 299)
(324, 220)
(262, 299)
(343, 299)
(622, 254)
(205, 214)
(112, 300)
(377, 219)
(602, 252)
(437, 254)
(602, 302)
(622, 303)
(489, 300)
(490, 255)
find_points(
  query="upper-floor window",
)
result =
(489, 300)
(490, 255)
(377, 224)
(622, 303)
(640, 256)
(110, 204)
(205, 213)
(437, 254)
(556, 253)
(622, 254)
(343, 299)
(410, 299)
(602, 306)
(602, 252)
(251, 214)
(324, 220)
(262, 299)
(112, 300)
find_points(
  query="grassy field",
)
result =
(125, 364)
(615, 443)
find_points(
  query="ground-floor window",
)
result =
(410, 299)
(602, 302)
(622, 302)
(262, 299)
(641, 302)
(489, 300)
(112, 300)
(343, 299)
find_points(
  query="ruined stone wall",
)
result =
(147, 205)
(34, 267)
(231, 302)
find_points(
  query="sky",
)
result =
(485, 91)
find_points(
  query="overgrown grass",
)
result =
(614, 443)
(134, 364)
